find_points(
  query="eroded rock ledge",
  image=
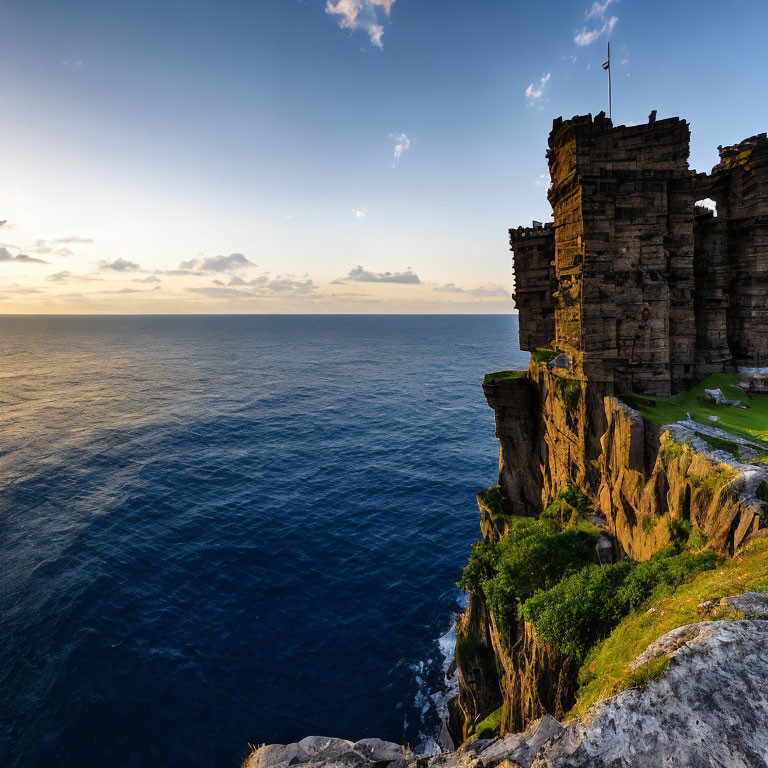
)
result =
(710, 708)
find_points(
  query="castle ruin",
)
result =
(644, 290)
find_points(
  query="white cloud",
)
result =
(588, 36)
(402, 143)
(120, 265)
(492, 291)
(361, 14)
(6, 255)
(598, 9)
(361, 275)
(360, 213)
(214, 264)
(261, 287)
(534, 93)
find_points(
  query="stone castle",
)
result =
(644, 290)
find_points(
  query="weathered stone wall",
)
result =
(623, 212)
(647, 294)
(739, 186)
(534, 253)
(712, 274)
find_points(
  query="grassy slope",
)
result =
(606, 671)
(495, 378)
(751, 424)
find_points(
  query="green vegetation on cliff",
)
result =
(535, 554)
(494, 500)
(584, 608)
(606, 671)
(750, 423)
(544, 355)
(500, 376)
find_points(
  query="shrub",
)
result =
(534, 555)
(572, 394)
(569, 506)
(585, 607)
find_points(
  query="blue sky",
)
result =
(256, 143)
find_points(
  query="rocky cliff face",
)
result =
(555, 430)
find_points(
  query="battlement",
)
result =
(646, 291)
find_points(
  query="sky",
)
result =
(311, 156)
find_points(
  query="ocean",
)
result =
(223, 530)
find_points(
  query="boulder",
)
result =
(716, 396)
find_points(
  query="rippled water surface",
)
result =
(222, 530)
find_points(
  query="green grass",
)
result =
(499, 376)
(751, 424)
(606, 671)
(490, 726)
(544, 355)
(494, 500)
(651, 670)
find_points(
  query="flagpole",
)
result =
(610, 94)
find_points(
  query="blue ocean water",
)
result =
(222, 530)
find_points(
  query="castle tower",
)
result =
(623, 255)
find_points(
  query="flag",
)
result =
(607, 64)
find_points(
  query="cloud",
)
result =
(493, 291)
(59, 277)
(534, 93)
(598, 9)
(214, 264)
(360, 213)
(587, 37)
(76, 63)
(150, 279)
(120, 265)
(3, 222)
(6, 255)
(361, 275)
(402, 143)
(361, 14)
(261, 287)
(73, 239)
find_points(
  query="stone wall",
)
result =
(534, 253)
(646, 292)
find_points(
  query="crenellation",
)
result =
(648, 293)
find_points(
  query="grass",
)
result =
(651, 670)
(544, 355)
(500, 376)
(490, 726)
(494, 500)
(606, 672)
(751, 424)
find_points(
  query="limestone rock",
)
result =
(754, 605)
(716, 396)
(709, 709)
